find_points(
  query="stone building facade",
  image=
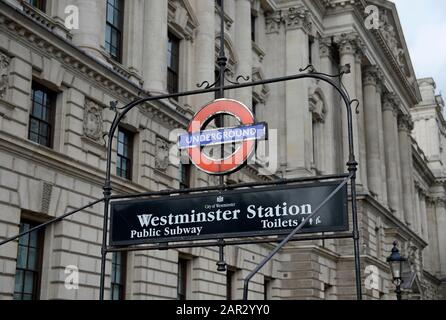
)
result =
(56, 87)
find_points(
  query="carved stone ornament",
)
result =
(4, 74)
(390, 36)
(92, 120)
(292, 18)
(162, 154)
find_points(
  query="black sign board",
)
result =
(229, 214)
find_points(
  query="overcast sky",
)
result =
(424, 25)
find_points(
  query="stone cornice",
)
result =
(43, 40)
(62, 163)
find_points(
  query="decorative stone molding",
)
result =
(161, 154)
(349, 43)
(45, 20)
(325, 47)
(92, 120)
(292, 18)
(370, 75)
(405, 123)
(273, 22)
(391, 103)
(390, 36)
(298, 18)
(4, 74)
(316, 104)
(182, 19)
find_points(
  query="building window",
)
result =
(173, 63)
(185, 176)
(267, 288)
(310, 49)
(183, 265)
(118, 275)
(29, 263)
(125, 154)
(113, 29)
(218, 3)
(254, 108)
(230, 281)
(42, 114)
(38, 4)
(253, 26)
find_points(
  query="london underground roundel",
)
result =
(243, 135)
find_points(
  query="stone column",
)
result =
(372, 131)
(204, 48)
(349, 47)
(155, 46)
(405, 126)
(382, 155)
(243, 45)
(441, 227)
(90, 36)
(363, 164)
(330, 138)
(134, 36)
(391, 149)
(298, 118)
(423, 212)
(416, 218)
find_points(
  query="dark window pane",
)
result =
(40, 122)
(118, 276)
(125, 154)
(173, 62)
(113, 29)
(19, 278)
(29, 282)
(22, 257)
(28, 264)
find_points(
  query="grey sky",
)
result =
(424, 25)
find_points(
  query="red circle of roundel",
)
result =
(238, 158)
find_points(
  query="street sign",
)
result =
(223, 136)
(246, 134)
(230, 214)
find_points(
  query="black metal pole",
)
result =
(398, 292)
(107, 195)
(353, 168)
(221, 61)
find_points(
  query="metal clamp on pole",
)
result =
(221, 264)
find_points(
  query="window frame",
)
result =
(123, 275)
(118, 28)
(51, 96)
(231, 279)
(37, 273)
(37, 4)
(173, 58)
(182, 278)
(185, 172)
(129, 158)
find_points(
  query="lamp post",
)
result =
(396, 262)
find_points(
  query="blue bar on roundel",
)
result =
(210, 137)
